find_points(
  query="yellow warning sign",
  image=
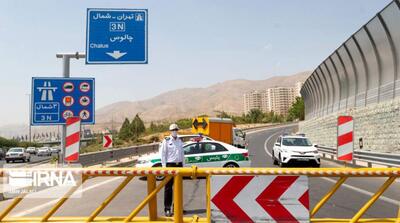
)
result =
(200, 125)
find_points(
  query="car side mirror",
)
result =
(315, 145)
(277, 144)
(244, 135)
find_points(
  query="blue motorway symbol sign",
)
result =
(56, 99)
(116, 36)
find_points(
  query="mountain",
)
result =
(188, 102)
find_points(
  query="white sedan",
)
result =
(288, 149)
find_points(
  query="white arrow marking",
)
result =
(246, 199)
(116, 54)
(289, 199)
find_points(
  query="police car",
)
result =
(204, 153)
(289, 148)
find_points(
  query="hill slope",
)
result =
(189, 102)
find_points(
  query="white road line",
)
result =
(361, 191)
(266, 142)
(276, 127)
(52, 202)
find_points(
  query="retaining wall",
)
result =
(377, 124)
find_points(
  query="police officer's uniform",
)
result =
(172, 155)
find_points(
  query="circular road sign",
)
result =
(68, 101)
(68, 87)
(84, 87)
(84, 101)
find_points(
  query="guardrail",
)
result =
(177, 174)
(368, 157)
(116, 154)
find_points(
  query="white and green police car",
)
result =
(205, 153)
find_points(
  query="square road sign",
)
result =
(116, 36)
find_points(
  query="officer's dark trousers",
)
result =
(168, 195)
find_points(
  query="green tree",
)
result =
(184, 123)
(125, 132)
(296, 111)
(222, 114)
(255, 116)
(137, 127)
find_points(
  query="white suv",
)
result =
(295, 148)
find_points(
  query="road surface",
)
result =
(344, 204)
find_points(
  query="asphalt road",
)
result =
(344, 204)
(34, 159)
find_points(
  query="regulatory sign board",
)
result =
(54, 100)
(116, 36)
(345, 141)
(259, 199)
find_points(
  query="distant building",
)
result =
(252, 100)
(278, 99)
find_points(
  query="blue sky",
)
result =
(191, 44)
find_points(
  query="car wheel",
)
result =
(231, 165)
(315, 164)
(274, 161)
(7, 161)
(29, 160)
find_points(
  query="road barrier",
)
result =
(368, 157)
(116, 154)
(177, 174)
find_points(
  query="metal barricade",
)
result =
(177, 175)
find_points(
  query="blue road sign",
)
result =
(116, 36)
(56, 99)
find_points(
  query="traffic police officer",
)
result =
(172, 155)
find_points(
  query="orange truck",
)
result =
(220, 129)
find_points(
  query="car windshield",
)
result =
(16, 150)
(296, 142)
(239, 133)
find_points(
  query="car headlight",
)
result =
(21, 154)
(284, 150)
(315, 151)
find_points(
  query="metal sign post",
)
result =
(66, 65)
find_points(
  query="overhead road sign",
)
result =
(200, 125)
(116, 36)
(54, 100)
(259, 199)
(345, 144)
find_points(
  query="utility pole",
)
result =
(30, 117)
(66, 57)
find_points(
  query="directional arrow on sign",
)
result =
(107, 141)
(196, 124)
(116, 54)
(259, 198)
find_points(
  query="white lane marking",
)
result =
(52, 202)
(365, 192)
(361, 191)
(266, 142)
(266, 128)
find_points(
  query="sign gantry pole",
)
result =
(66, 74)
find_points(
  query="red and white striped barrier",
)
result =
(345, 138)
(259, 199)
(72, 140)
